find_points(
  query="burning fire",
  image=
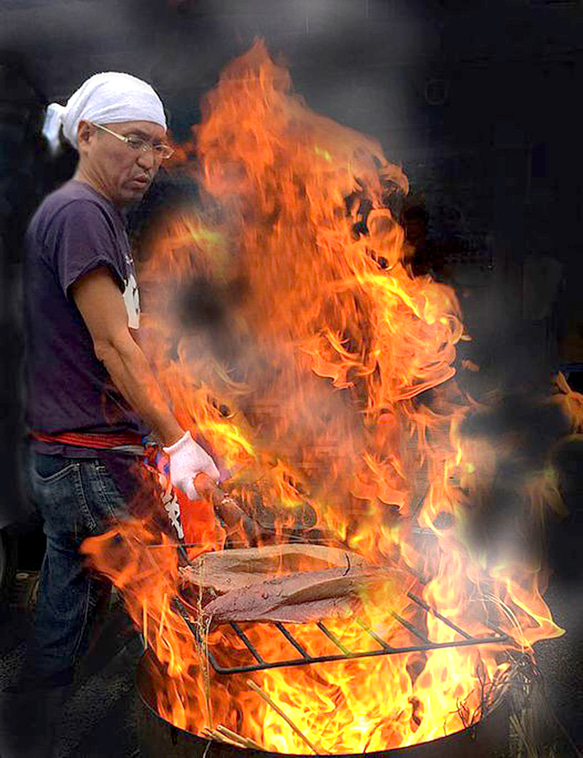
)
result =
(286, 327)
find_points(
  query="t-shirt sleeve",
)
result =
(79, 239)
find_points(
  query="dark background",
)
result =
(478, 101)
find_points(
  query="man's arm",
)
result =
(101, 305)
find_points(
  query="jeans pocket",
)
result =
(47, 469)
(77, 498)
(60, 497)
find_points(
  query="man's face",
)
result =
(123, 173)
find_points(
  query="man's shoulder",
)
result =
(72, 198)
(76, 194)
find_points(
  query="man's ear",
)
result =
(84, 132)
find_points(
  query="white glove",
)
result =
(187, 459)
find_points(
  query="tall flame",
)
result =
(286, 327)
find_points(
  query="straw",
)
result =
(211, 734)
(145, 623)
(264, 696)
(163, 614)
(245, 741)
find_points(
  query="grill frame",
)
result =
(424, 645)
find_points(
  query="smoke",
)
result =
(520, 434)
(208, 308)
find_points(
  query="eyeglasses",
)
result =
(161, 151)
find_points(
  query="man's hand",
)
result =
(187, 459)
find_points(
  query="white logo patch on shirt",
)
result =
(131, 297)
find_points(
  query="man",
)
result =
(92, 395)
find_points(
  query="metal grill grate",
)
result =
(423, 644)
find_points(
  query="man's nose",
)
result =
(146, 159)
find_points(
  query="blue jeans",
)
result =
(77, 498)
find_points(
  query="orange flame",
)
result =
(287, 329)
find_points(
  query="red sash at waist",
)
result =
(90, 439)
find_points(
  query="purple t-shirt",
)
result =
(74, 230)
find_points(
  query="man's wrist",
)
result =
(171, 435)
(179, 444)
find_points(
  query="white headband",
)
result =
(106, 98)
